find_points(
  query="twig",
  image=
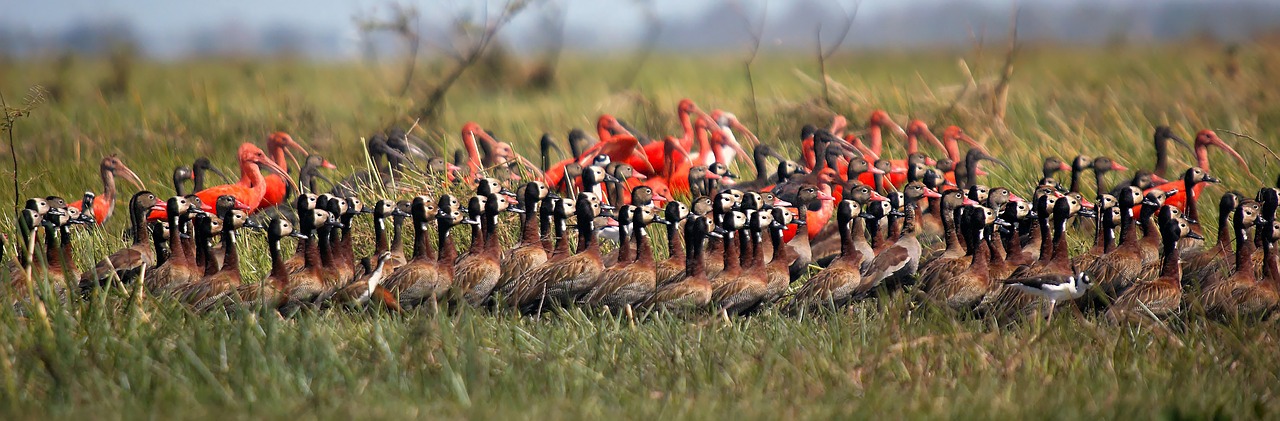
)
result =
(13, 152)
(824, 54)
(1263, 145)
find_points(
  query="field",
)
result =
(116, 357)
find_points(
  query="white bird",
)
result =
(1053, 287)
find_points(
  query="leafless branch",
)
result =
(468, 54)
(755, 32)
(824, 54)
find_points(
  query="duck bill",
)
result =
(1158, 180)
(930, 193)
(877, 197)
(824, 196)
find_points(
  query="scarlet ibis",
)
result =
(104, 206)
(251, 157)
(279, 145)
(725, 145)
(474, 138)
(1204, 139)
(655, 152)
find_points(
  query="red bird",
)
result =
(1204, 139)
(105, 204)
(278, 145)
(251, 193)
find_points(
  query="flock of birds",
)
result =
(838, 224)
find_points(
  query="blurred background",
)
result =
(341, 30)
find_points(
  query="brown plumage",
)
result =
(637, 281)
(1201, 265)
(530, 252)
(1163, 296)
(1221, 295)
(476, 273)
(367, 287)
(125, 264)
(953, 257)
(304, 204)
(777, 271)
(736, 291)
(305, 285)
(898, 264)
(271, 292)
(965, 289)
(209, 289)
(1103, 234)
(180, 268)
(427, 277)
(1007, 301)
(565, 280)
(1116, 271)
(671, 269)
(836, 284)
(693, 289)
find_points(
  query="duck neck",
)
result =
(949, 234)
(530, 232)
(873, 232)
(1060, 252)
(379, 235)
(1013, 245)
(547, 236)
(674, 245)
(624, 244)
(1172, 266)
(1075, 180)
(731, 261)
(1128, 233)
(982, 251)
(1224, 231)
(694, 261)
(779, 248)
(846, 239)
(421, 245)
(1271, 262)
(561, 238)
(326, 247)
(397, 236)
(490, 228)
(1244, 251)
(311, 253)
(644, 251)
(448, 251)
(279, 274)
(587, 236)
(231, 260)
(138, 219)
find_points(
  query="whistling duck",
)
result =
(343, 246)
(953, 257)
(303, 205)
(1264, 295)
(736, 291)
(1163, 296)
(270, 293)
(637, 281)
(29, 223)
(1104, 235)
(331, 273)
(253, 186)
(836, 284)
(564, 280)
(476, 273)
(205, 293)
(179, 269)
(1220, 292)
(778, 271)
(1078, 167)
(104, 205)
(721, 206)
(1006, 301)
(1101, 166)
(1116, 271)
(1201, 264)
(195, 173)
(896, 264)
(126, 263)
(1188, 191)
(672, 268)
(427, 277)
(965, 289)
(530, 251)
(382, 210)
(693, 289)
(58, 266)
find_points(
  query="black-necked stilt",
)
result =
(1054, 287)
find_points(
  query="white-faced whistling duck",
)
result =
(126, 263)
(836, 284)
(565, 280)
(693, 289)
(672, 268)
(420, 280)
(178, 269)
(1163, 296)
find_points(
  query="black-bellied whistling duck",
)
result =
(736, 291)
(1104, 234)
(105, 203)
(1220, 293)
(126, 263)
(1162, 296)
(896, 264)
(1213, 261)
(565, 280)
(1101, 166)
(693, 289)
(965, 290)
(253, 186)
(476, 273)
(836, 284)
(529, 252)
(270, 293)
(427, 277)
(672, 268)
(1204, 139)
(179, 269)
(207, 292)
(637, 281)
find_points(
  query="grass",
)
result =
(114, 357)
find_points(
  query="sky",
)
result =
(169, 28)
